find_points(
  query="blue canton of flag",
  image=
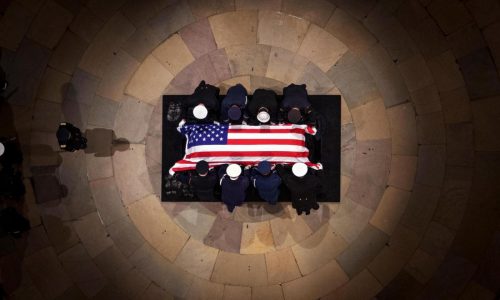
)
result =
(205, 134)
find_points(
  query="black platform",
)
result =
(326, 151)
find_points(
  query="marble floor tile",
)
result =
(485, 113)
(248, 60)
(92, 233)
(140, 12)
(154, 224)
(422, 266)
(112, 262)
(350, 219)
(141, 43)
(281, 30)
(49, 25)
(102, 113)
(125, 236)
(317, 11)
(415, 73)
(362, 286)
(390, 209)
(288, 230)
(17, 19)
(108, 201)
(347, 149)
(456, 106)
(371, 121)
(47, 273)
(116, 75)
(60, 232)
(130, 120)
(431, 165)
(237, 292)
(234, 28)
(437, 239)
(426, 100)
(449, 16)
(197, 258)
(258, 82)
(281, 266)
(256, 238)
(204, 289)
(220, 64)
(403, 127)
(238, 269)
(269, 292)
(403, 286)
(154, 292)
(47, 116)
(318, 249)
(104, 10)
(284, 65)
(68, 53)
(315, 79)
(430, 129)
(196, 220)
(480, 74)
(203, 9)
(419, 212)
(317, 284)
(321, 48)
(403, 169)
(174, 54)
(82, 87)
(362, 250)
(199, 38)
(225, 234)
(446, 71)
(171, 19)
(86, 25)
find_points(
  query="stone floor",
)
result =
(419, 210)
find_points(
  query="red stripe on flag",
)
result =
(265, 130)
(247, 153)
(265, 142)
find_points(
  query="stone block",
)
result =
(248, 60)
(480, 74)
(316, 11)
(415, 73)
(269, 292)
(486, 117)
(49, 25)
(92, 233)
(16, 21)
(281, 266)
(371, 121)
(390, 209)
(225, 234)
(197, 258)
(238, 269)
(86, 25)
(362, 286)
(125, 236)
(460, 144)
(199, 38)
(281, 30)
(421, 207)
(430, 129)
(256, 238)
(234, 28)
(426, 100)
(203, 9)
(116, 76)
(350, 219)
(284, 65)
(107, 199)
(174, 54)
(431, 165)
(68, 53)
(403, 129)
(53, 86)
(456, 106)
(450, 16)
(170, 19)
(141, 43)
(403, 169)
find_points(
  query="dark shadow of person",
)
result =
(103, 142)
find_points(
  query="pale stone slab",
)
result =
(82, 270)
(362, 286)
(345, 113)
(195, 219)
(116, 75)
(390, 209)
(239, 269)
(350, 219)
(392, 258)
(131, 120)
(60, 232)
(237, 292)
(317, 284)
(466, 40)
(403, 169)
(248, 60)
(318, 249)
(289, 230)
(281, 30)
(430, 129)
(270, 292)
(156, 226)
(105, 44)
(68, 53)
(422, 266)
(362, 250)
(316, 11)
(47, 116)
(258, 5)
(427, 100)
(199, 38)
(315, 79)
(125, 236)
(321, 48)
(53, 86)
(131, 174)
(350, 31)
(415, 73)
(234, 28)
(86, 24)
(284, 65)
(112, 262)
(102, 113)
(149, 81)
(225, 233)
(107, 200)
(456, 106)
(47, 274)
(203, 9)
(141, 43)
(173, 54)
(154, 292)
(170, 19)
(403, 129)
(431, 165)
(446, 71)
(391, 34)
(16, 21)
(371, 121)
(427, 35)
(50, 23)
(203, 289)
(421, 207)
(281, 266)
(92, 233)
(386, 75)
(256, 238)
(486, 116)
(220, 64)
(197, 258)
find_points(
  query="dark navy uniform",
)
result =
(295, 98)
(233, 191)
(236, 96)
(70, 138)
(263, 99)
(203, 186)
(205, 94)
(268, 186)
(303, 190)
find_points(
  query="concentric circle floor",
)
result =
(418, 217)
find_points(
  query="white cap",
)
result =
(299, 169)
(2, 149)
(263, 117)
(233, 171)
(200, 112)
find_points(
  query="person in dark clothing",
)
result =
(202, 181)
(234, 104)
(266, 181)
(303, 185)
(3, 81)
(70, 138)
(263, 109)
(13, 222)
(203, 105)
(233, 184)
(295, 106)
(10, 153)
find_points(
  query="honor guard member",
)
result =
(303, 185)
(202, 181)
(263, 108)
(233, 184)
(203, 105)
(295, 106)
(233, 105)
(70, 138)
(267, 182)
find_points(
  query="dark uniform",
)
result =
(295, 97)
(12, 222)
(236, 95)
(70, 138)
(268, 186)
(233, 191)
(303, 190)
(205, 94)
(203, 186)
(263, 99)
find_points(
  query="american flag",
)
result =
(244, 144)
